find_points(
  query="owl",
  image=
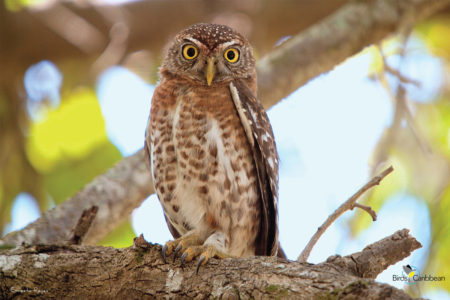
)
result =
(211, 149)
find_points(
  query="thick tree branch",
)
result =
(346, 32)
(377, 257)
(116, 193)
(286, 68)
(87, 271)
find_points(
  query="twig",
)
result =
(368, 209)
(347, 205)
(83, 225)
(400, 97)
(398, 100)
(400, 76)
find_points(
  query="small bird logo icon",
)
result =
(409, 271)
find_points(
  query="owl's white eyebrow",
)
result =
(224, 45)
(230, 43)
(193, 40)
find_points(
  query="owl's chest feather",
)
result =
(206, 168)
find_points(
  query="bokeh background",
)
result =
(76, 81)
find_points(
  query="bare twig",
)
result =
(368, 209)
(400, 76)
(347, 205)
(83, 225)
(398, 100)
(402, 111)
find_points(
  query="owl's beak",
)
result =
(210, 70)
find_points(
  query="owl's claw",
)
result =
(204, 253)
(179, 245)
(167, 250)
(177, 249)
(189, 248)
(201, 261)
(183, 259)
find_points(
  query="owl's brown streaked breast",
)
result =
(202, 164)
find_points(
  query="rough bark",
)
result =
(84, 272)
(287, 67)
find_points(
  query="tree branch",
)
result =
(377, 257)
(286, 68)
(344, 33)
(83, 225)
(347, 205)
(116, 193)
(150, 24)
(86, 271)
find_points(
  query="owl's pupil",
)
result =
(191, 52)
(230, 55)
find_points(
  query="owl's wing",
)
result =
(260, 136)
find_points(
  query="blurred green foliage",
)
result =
(17, 5)
(120, 237)
(69, 146)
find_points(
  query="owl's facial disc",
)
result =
(210, 70)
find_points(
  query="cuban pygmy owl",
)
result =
(212, 152)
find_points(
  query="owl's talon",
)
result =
(201, 261)
(177, 249)
(183, 259)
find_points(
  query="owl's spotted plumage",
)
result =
(212, 153)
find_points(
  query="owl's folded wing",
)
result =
(260, 136)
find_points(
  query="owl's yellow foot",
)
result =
(206, 252)
(180, 244)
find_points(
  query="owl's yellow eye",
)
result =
(190, 52)
(232, 55)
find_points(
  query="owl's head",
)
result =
(209, 54)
